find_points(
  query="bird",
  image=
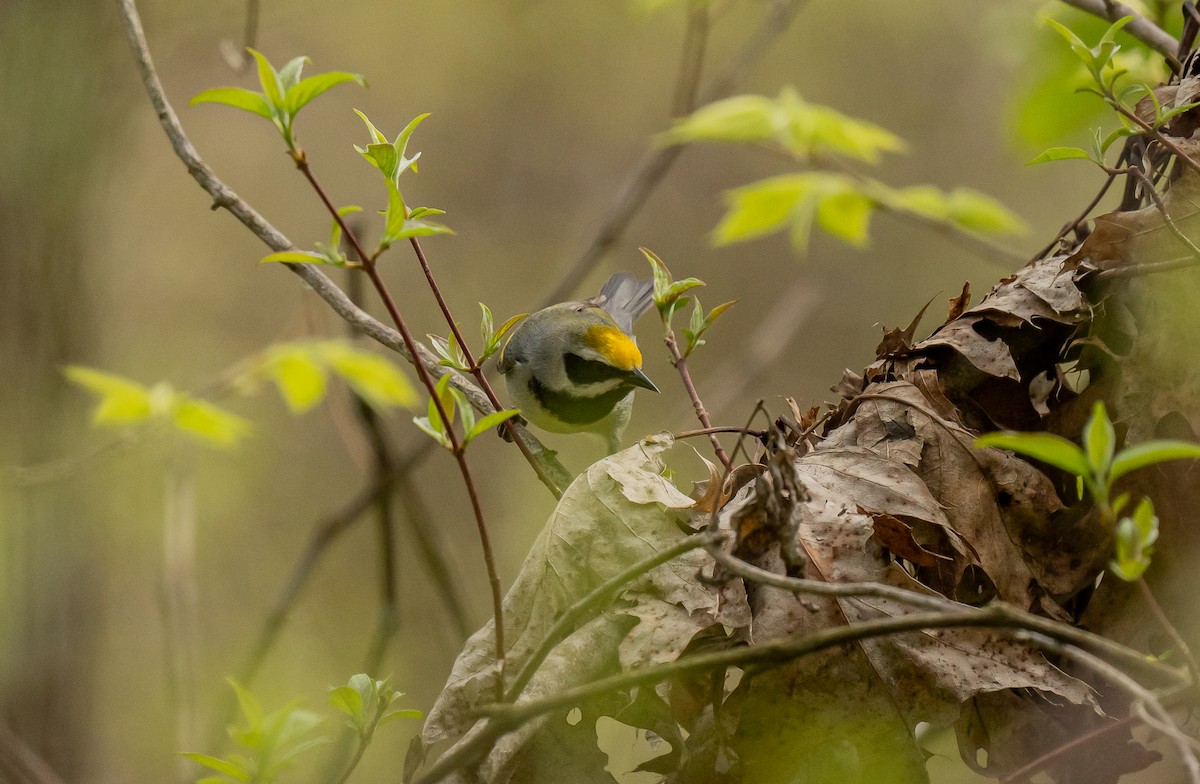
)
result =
(573, 367)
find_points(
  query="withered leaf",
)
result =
(959, 304)
(897, 341)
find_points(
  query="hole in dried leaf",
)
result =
(628, 748)
(574, 716)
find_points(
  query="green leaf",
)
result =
(762, 208)
(811, 130)
(383, 157)
(300, 94)
(247, 704)
(418, 228)
(376, 136)
(299, 257)
(434, 431)
(122, 401)
(488, 422)
(268, 77)
(376, 380)
(846, 215)
(742, 118)
(218, 764)
(421, 212)
(348, 700)
(335, 229)
(979, 212)
(401, 144)
(1099, 441)
(1146, 522)
(1077, 45)
(289, 75)
(1046, 447)
(208, 422)
(400, 713)
(1060, 154)
(237, 97)
(662, 275)
(677, 288)
(298, 375)
(1150, 452)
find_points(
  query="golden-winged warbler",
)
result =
(572, 367)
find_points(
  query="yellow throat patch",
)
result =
(615, 345)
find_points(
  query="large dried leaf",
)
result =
(620, 511)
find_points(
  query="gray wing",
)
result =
(624, 297)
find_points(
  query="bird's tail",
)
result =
(625, 298)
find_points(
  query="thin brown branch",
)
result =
(1140, 28)
(1176, 638)
(509, 425)
(503, 718)
(680, 363)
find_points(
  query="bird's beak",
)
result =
(639, 379)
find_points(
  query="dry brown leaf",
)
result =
(959, 304)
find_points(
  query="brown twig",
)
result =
(456, 445)
(1176, 638)
(680, 363)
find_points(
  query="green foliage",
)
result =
(283, 93)
(300, 370)
(493, 338)
(271, 741)
(842, 206)
(1098, 466)
(122, 401)
(668, 298)
(330, 253)
(452, 399)
(392, 160)
(803, 129)
(368, 703)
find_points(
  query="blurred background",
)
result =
(541, 113)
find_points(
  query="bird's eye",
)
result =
(589, 371)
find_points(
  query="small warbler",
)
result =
(572, 367)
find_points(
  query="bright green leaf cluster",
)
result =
(452, 399)
(392, 160)
(1098, 466)
(492, 337)
(803, 129)
(367, 703)
(299, 369)
(283, 94)
(842, 206)
(669, 297)
(1097, 58)
(1135, 537)
(125, 402)
(272, 741)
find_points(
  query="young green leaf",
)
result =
(122, 401)
(846, 215)
(300, 94)
(348, 700)
(1046, 447)
(298, 374)
(488, 422)
(375, 379)
(1148, 453)
(268, 77)
(237, 97)
(299, 257)
(208, 422)
(335, 229)
(401, 144)
(400, 713)
(1099, 442)
(421, 212)
(289, 75)
(233, 771)
(376, 136)
(1060, 154)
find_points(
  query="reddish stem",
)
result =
(680, 363)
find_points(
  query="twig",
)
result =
(456, 445)
(509, 425)
(706, 431)
(1071, 226)
(1138, 694)
(1140, 28)
(680, 363)
(224, 197)
(1160, 205)
(503, 718)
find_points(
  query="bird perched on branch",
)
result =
(572, 367)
